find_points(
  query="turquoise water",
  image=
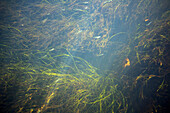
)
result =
(79, 56)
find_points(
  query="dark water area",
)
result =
(84, 56)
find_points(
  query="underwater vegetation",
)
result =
(84, 56)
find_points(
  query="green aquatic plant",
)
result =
(39, 64)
